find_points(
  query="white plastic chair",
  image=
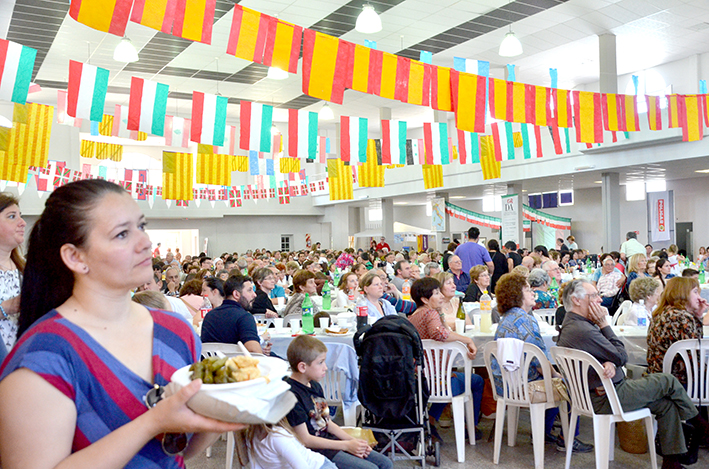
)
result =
(288, 317)
(575, 366)
(547, 314)
(439, 360)
(695, 354)
(516, 395)
(620, 312)
(335, 381)
(261, 319)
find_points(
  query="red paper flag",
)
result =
(441, 94)
(109, 16)
(194, 20)
(327, 57)
(282, 45)
(469, 101)
(156, 14)
(247, 36)
(587, 117)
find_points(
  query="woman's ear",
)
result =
(73, 258)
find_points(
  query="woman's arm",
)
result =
(39, 422)
(11, 305)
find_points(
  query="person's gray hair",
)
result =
(427, 268)
(631, 235)
(538, 278)
(242, 263)
(574, 289)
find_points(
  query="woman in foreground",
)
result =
(85, 403)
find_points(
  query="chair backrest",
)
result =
(261, 319)
(440, 357)
(547, 314)
(695, 355)
(514, 383)
(335, 381)
(210, 349)
(288, 317)
(622, 311)
(575, 365)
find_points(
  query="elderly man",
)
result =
(172, 281)
(631, 246)
(586, 328)
(528, 262)
(553, 269)
(460, 277)
(431, 269)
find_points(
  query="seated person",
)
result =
(449, 308)
(265, 281)
(152, 299)
(310, 418)
(426, 293)
(303, 282)
(461, 278)
(636, 268)
(373, 289)
(539, 280)
(586, 328)
(479, 283)
(646, 289)
(347, 290)
(678, 316)
(515, 300)
(231, 322)
(608, 281)
(663, 271)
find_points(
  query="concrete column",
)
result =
(441, 246)
(608, 68)
(385, 113)
(338, 216)
(517, 189)
(388, 223)
(610, 199)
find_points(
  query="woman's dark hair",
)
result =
(15, 256)
(542, 250)
(493, 245)
(423, 288)
(658, 265)
(510, 292)
(215, 283)
(66, 219)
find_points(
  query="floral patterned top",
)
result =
(667, 328)
(543, 300)
(9, 288)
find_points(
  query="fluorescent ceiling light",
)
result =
(368, 21)
(656, 185)
(510, 45)
(275, 73)
(125, 51)
(457, 197)
(705, 171)
(598, 182)
(326, 113)
(635, 190)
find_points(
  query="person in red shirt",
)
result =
(383, 244)
(156, 252)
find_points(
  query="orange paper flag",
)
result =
(469, 101)
(247, 36)
(194, 20)
(325, 60)
(441, 94)
(156, 14)
(537, 103)
(562, 107)
(690, 117)
(419, 84)
(673, 119)
(587, 117)
(498, 99)
(432, 175)
(109, 16)
(654, 114)
(282, 45)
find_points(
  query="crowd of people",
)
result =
(110, 308)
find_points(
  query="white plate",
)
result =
(255, 401)
(332, 334)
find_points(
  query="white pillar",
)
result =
(610, 200)
(608, 68)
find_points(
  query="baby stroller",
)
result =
(393, 391)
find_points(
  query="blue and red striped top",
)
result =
(106, 393)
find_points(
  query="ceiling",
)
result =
(558, 34)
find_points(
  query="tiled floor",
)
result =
(480, 456)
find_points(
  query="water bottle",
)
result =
(642, 314)
(406, 290)
(326, 297)
(307, 319)
(485, 312)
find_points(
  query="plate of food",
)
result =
(336, 331)
(237, 389)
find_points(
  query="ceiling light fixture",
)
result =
(326, 113)
(368, 21)
(125, 51)
(275, 73)
(510, 45)
(705, 171)
(457, 197)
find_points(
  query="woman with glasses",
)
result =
(479, 283)
(265, 281)
(73, 389)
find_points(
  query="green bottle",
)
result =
(702, 278)
(307, 319)
(326, 298)
(554, 288)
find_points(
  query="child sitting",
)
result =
(310, 418)
(276, 446)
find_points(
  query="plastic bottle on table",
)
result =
(307, 318)
(485, 312)
(326, 298)
(362, 312)
(406, 290)
(702, 274)
(554, 288)
(642, 314)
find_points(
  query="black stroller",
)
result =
(393, 391)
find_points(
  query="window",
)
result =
(286, 242)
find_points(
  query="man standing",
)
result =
(472, 254)
(586, 328)
(631, 246)
(460, 277)
(383, 244)
(513, 258)
(231, 323)
(402, 273)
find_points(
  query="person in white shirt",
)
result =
(631, 246)
(274, 446)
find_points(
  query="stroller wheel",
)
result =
(437, 453)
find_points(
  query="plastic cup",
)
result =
(324, 323)
(281, 300)
(278, 322)
(476, 321)
(294, 326)
(460, 326)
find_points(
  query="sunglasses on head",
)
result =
(172, 443)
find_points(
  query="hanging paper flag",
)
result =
(498, 95)
(209, 118)
(389, 76)
(353, 139)
(87, 90)
(393, 142)
(435, 137)
(469, 147)
(432, 176)
(690, 117)
(282, 45)
(107, 16)
(289, 165)
(503, 142)
(325, 60)
(469, 101)
(426, 57)
(673, 118)
(16, 65)
(531, 141)
(119, 125)
(146, 108)
(417, 87)
(155, 14)
(12, 172)
(177, 131)
(253, 163)
(229, 147)
(194, 20)
(441, 94)
(562, 107)
(631, 120)
(488, 162)
(256, 120)
(538, 105)
(587, 117)
(476, 67)
(213, 168)
(612, 111)
(62, 116)
(27, 141)
(177, 176)
(322, 149)
(247, 36)
(363, 69)
(371, 173)
(105, 127)
(283, 194)
(340, 179)
(302, 133)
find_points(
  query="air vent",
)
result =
(699, 26)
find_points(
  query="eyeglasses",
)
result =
(172, 443)
(593, 296)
